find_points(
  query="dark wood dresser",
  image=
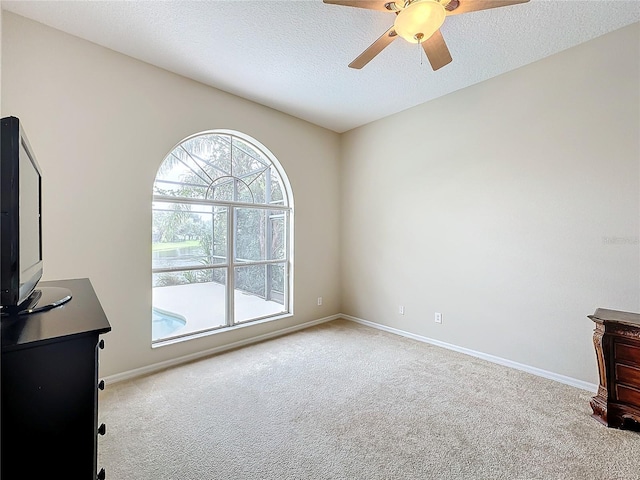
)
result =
(617, 342)
(50, 388)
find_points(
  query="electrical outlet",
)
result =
(401, 309)
(438, 318)
(319, 301)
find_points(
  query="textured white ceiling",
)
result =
(292, 55)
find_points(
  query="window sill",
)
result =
(206, 333)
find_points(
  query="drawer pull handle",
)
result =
(101, 474)
(101, 344)
(102, 429)
(101, 385)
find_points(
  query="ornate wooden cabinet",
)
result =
(617, 342)
(50, 388)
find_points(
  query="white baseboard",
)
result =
(138, 372)
(485, 356)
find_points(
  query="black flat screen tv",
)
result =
(21, 263)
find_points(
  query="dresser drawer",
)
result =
(628, 395)
(628, 375)
(629, 353)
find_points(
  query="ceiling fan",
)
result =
(418, 21)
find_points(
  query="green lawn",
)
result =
(159, 247)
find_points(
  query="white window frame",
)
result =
(232, 263)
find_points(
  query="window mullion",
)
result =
(268, 287)
(231, 274)
(287, 255)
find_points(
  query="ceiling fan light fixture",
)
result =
(418, 21)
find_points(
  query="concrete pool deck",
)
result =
(202, 305)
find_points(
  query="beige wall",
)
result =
(1, 12)
(100, 124)
(512, 207)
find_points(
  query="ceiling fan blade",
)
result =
(437, 51)
(466, 6)
(375, 48)
(369, 4)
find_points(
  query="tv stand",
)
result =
(42, 298)
(50, 387)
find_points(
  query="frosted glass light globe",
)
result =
(420, 20)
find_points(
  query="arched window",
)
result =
(222, 236)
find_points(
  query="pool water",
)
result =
(164, 323)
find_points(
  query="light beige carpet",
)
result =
(344, 401)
